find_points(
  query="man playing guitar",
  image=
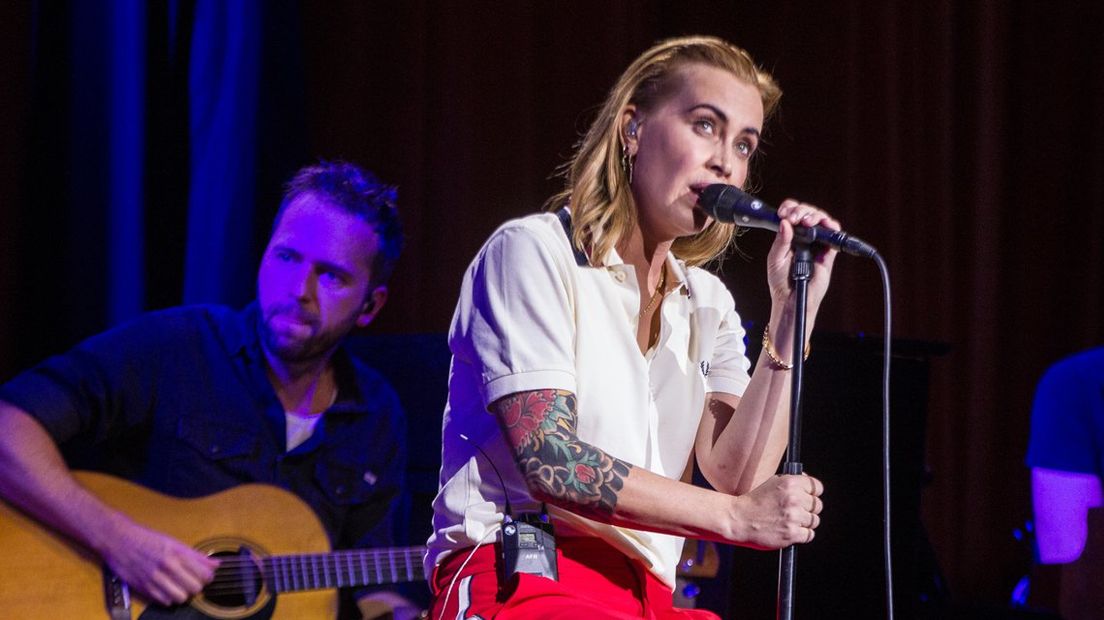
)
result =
(194, 400)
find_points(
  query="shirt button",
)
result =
(340, 490)
(619, 276)
(215, 449)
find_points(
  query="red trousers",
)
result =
(596, 581)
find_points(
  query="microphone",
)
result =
(728, 203)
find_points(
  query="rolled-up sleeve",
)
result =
(728, 371)
(105, 383)
(516, 323)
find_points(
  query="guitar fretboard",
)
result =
(341, 569)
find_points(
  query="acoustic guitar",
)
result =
(268, 540)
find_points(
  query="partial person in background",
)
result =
(1066, 457)
(193, 400)
(1066, 454)
(595, 361)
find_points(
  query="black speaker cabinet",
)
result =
(841, 574)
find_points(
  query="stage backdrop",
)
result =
(143, 145)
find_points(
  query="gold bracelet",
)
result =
(768, 348)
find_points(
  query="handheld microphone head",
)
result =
(728, 203)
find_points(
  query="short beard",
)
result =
(302, 352)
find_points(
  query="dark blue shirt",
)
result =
(179, 400)
(1067, 420)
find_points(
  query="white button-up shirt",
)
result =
(533, 315)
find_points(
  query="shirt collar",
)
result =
(676, 268)
(241, 338)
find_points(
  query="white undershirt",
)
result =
(300, 427)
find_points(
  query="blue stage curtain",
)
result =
(126, 38)
(223, 86)
(157, 136)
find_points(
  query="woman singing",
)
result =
(595, 361)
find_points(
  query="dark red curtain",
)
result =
(963, 138)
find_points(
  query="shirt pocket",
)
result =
(345, 483)
(232, 449)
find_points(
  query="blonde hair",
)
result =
(602, 207)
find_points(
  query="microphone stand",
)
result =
(800, 272)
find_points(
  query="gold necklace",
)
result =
(656, 295)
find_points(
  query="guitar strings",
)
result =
(310, 571)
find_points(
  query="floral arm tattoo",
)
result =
(540, 425)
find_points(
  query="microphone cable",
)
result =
(728, 203)
(507, 516)
(883, 271)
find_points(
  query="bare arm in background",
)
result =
(35, 478)
(1062, 501)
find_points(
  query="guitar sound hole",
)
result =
(238, 580)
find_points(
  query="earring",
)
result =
(626, 159)
(626, 162)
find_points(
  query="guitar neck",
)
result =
(343, 569)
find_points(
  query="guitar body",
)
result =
(47, 577)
